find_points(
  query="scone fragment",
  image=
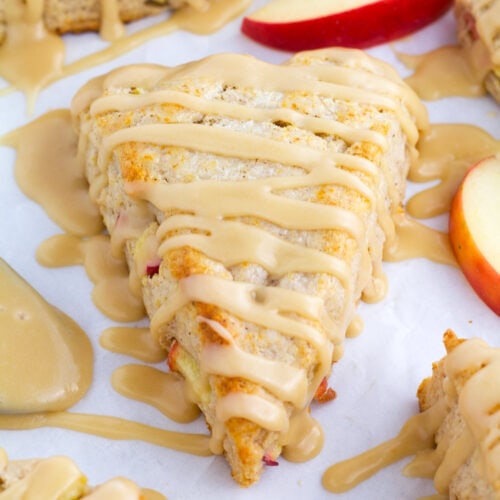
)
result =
(466, 383)
(252, 202)
(57, 478)
(478, 24)
(62, 16)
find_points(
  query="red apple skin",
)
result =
(480, 274)
(362, 27)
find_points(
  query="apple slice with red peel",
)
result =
(295, 25)
(474, 229)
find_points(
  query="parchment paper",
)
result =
(375, 381)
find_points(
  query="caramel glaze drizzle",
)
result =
(444, 72)
(466, 146)
(166, 392)
(111, 24)
(31, 57)
(135, 342)
(111, 294)
(59, 186)
(446, 152)
(37, 335)
(60, 355)
(29, 69)
(111, 428)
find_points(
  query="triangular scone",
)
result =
(253, 201)
(466, 384)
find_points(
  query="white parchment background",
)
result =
(375, 381)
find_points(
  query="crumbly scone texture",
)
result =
(63, 16)
(57, 475)
(14, 471)
(245, 442)
(468, 13)
(17, 470)
(467, 483)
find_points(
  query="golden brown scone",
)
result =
(467, 454)
(478, 23)
(253, 202)
(63, 16)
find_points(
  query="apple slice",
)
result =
(475, 229)
(295, 25)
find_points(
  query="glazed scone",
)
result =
(50, 478)
(57, 478)
(467, 453)
(62, 16)
(253, 202)
(478, 23)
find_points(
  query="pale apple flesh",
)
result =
(474, 229)
(295, 25)
(299, 10)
